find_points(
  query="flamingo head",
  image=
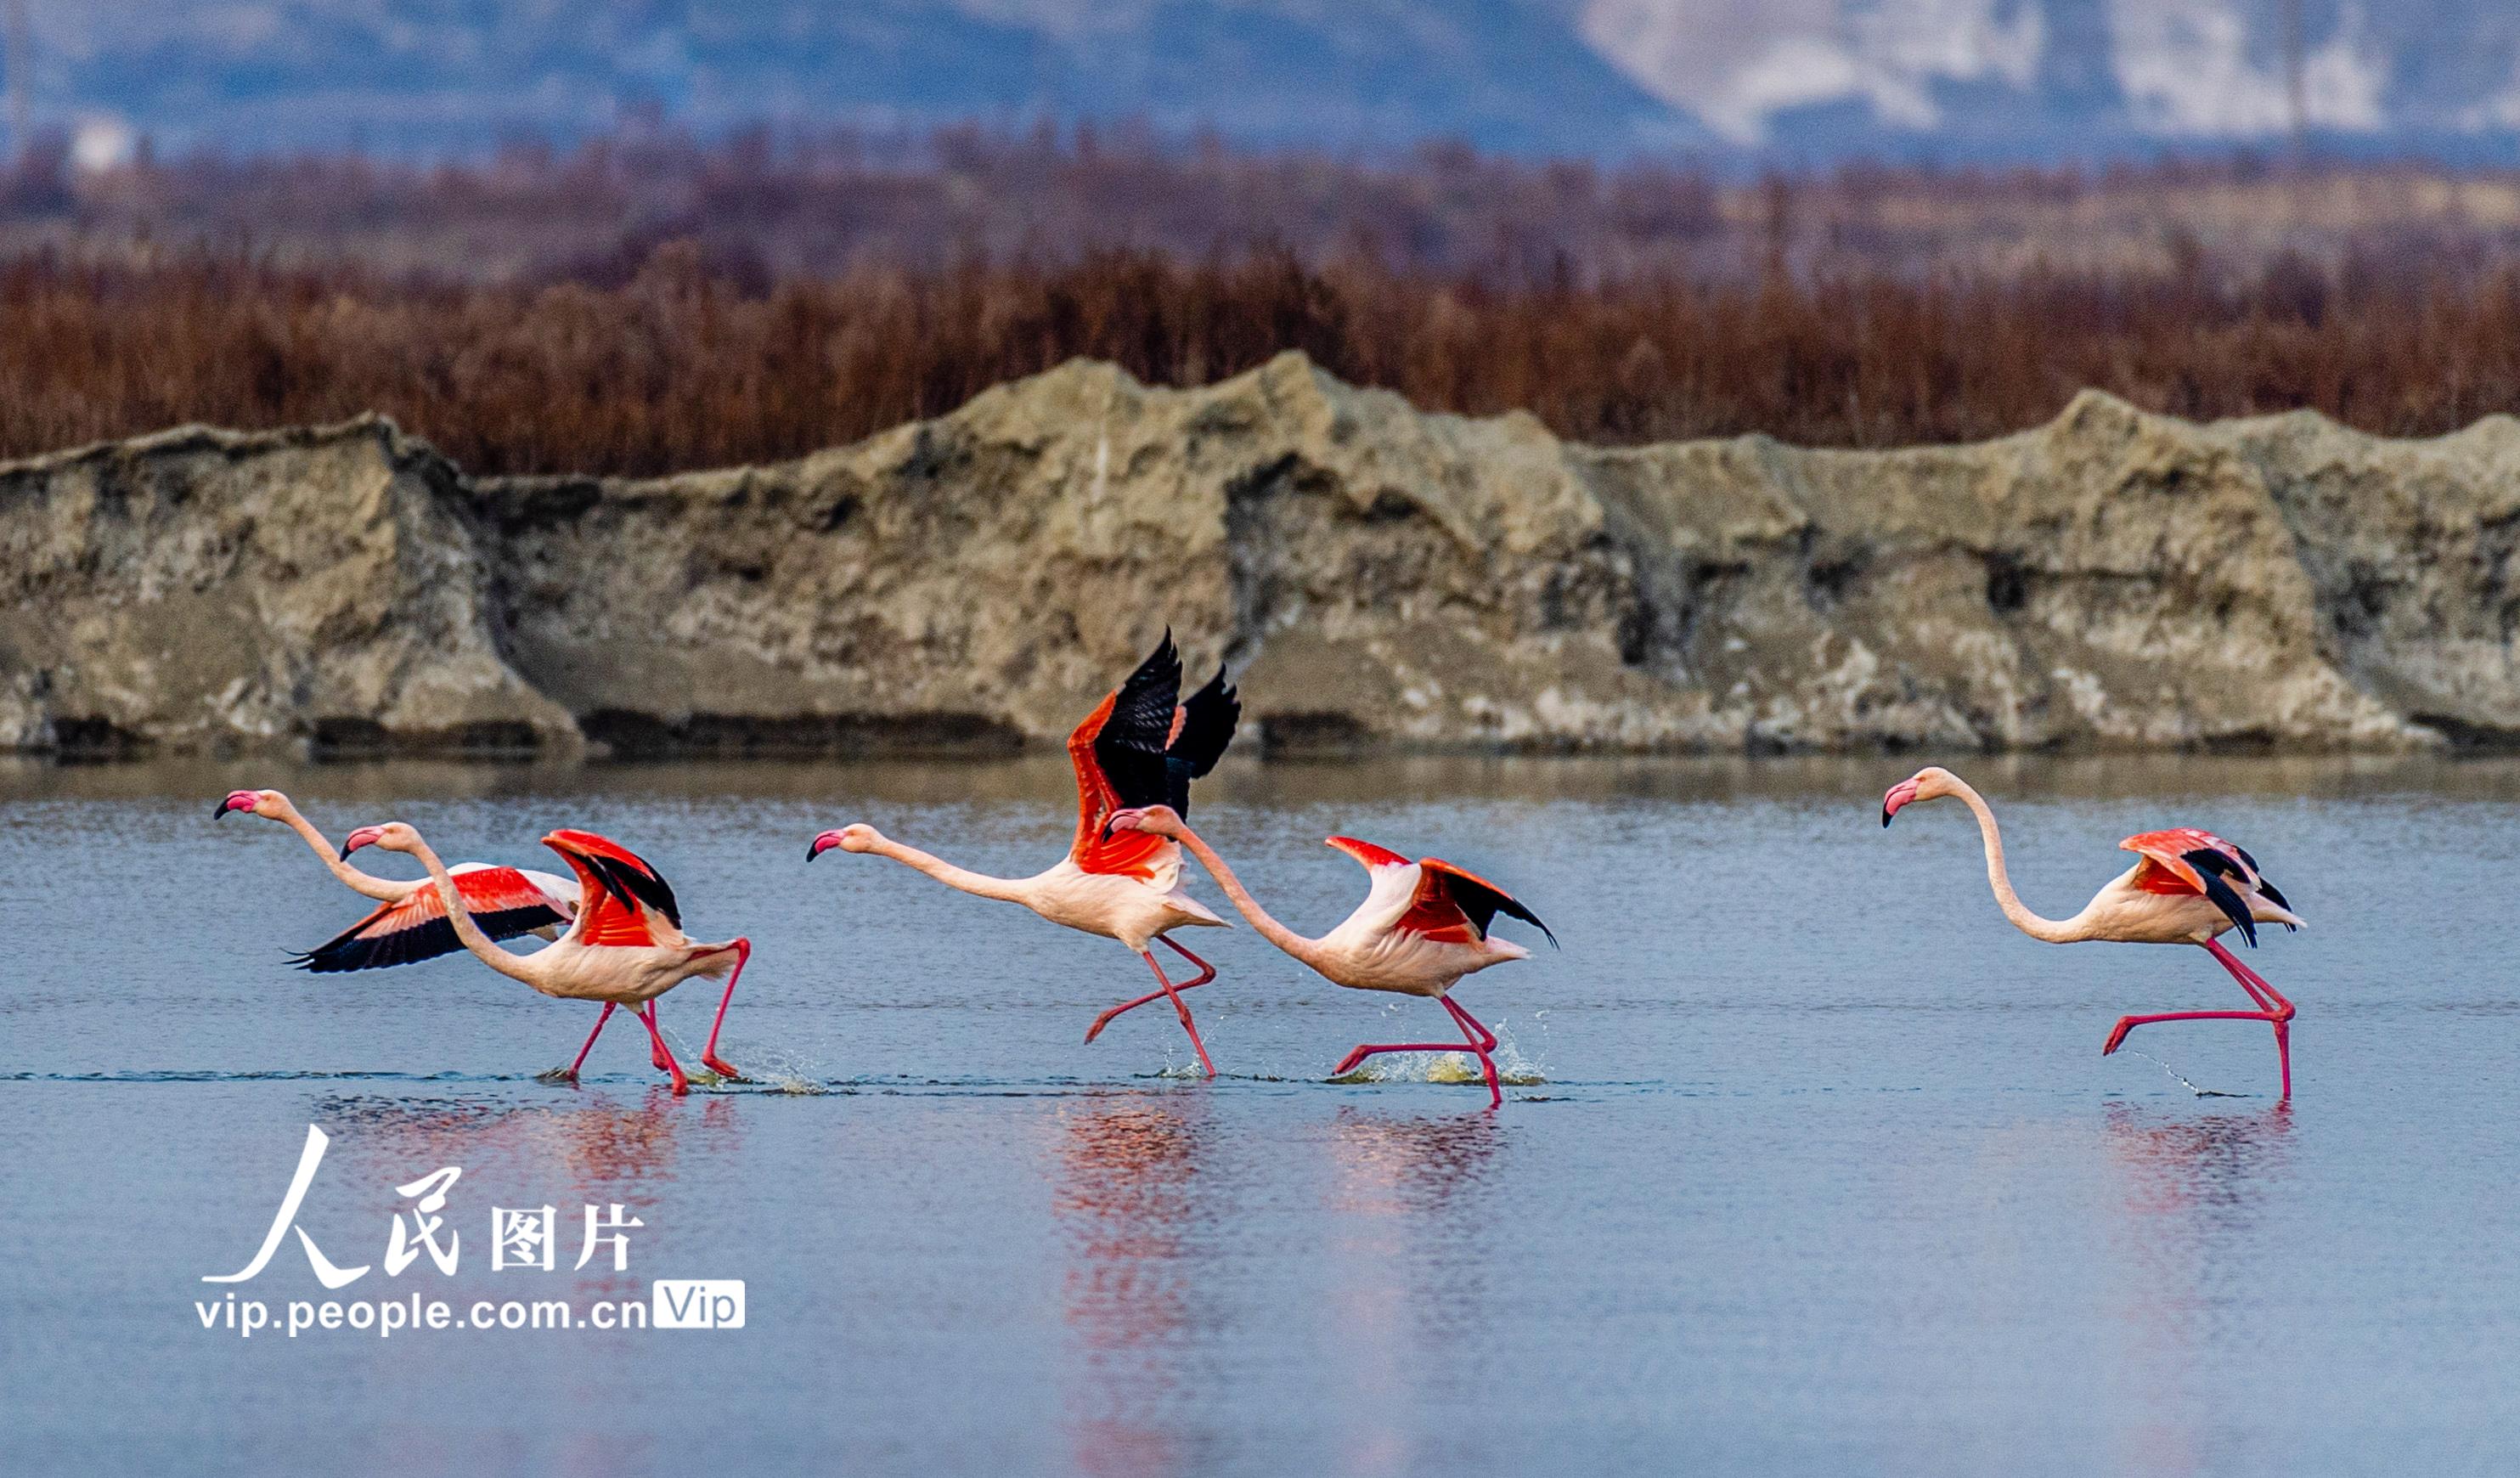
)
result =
(1925, 784)
(856, 836)
(1157, 820)
(393, 836)
(251, 802)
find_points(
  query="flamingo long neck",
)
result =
(366, 886)
(2053, 930)
(964, 879)
(1306, 950)
(513, 966)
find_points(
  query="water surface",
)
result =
(1813, 1165)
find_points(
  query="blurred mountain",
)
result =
(1806, 80)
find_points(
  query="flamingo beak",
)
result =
(822, 844)
(236, 800)
(1899, 796)
(364, 836)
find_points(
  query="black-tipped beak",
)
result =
(1885, 813)
(346, 850)
(220, 810)
(813, 849)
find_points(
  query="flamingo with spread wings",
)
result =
(1422, 926)
(2187, 887)
(626, 945)
(1140, 746)
(410, 923)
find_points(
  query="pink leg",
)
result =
(1206, 974)
(2273, 1010)
(1480, 1041)
(590, 1041)
(656, 1054)
(2281, 1010)
(1487, 1043)
(708, 1055)
(656, 1039)
(1181, 1007)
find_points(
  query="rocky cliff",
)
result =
(1375, 575)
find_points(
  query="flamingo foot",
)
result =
(557, 1076)
(722, 1068)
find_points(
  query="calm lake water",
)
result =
(1814, 1166)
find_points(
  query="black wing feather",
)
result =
(1130, 747)
(2214, 868)
(637, 886)
(1208, 720)
(1483, 904)
(346, 951)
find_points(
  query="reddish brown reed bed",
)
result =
(677, 368)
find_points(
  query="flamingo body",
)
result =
(1412, 933)
(1135, 907)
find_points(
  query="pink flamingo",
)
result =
(2187, 887)
(1139, 746)
(1422, 926)
(410, 923)
(626, 945)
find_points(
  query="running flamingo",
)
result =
(1422, 926)
(626, 945)
(410, 923)
(2187, 887)
(1140, 746)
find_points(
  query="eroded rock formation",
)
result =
(1375, 575)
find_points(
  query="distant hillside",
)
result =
(1808, 79)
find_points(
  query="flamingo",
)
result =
(2187, 887)
(1422, 926)
(410, 923)
(626, 947)
(1137, 746)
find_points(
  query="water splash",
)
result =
(2175, 1076)
(765, 1069)
(1514, 1067)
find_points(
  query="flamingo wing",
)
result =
(625, 899)
(1202, 727)
(1466, 894)
(1443, 902)
(2184, 860)
(1119, 756)
(504, 902)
